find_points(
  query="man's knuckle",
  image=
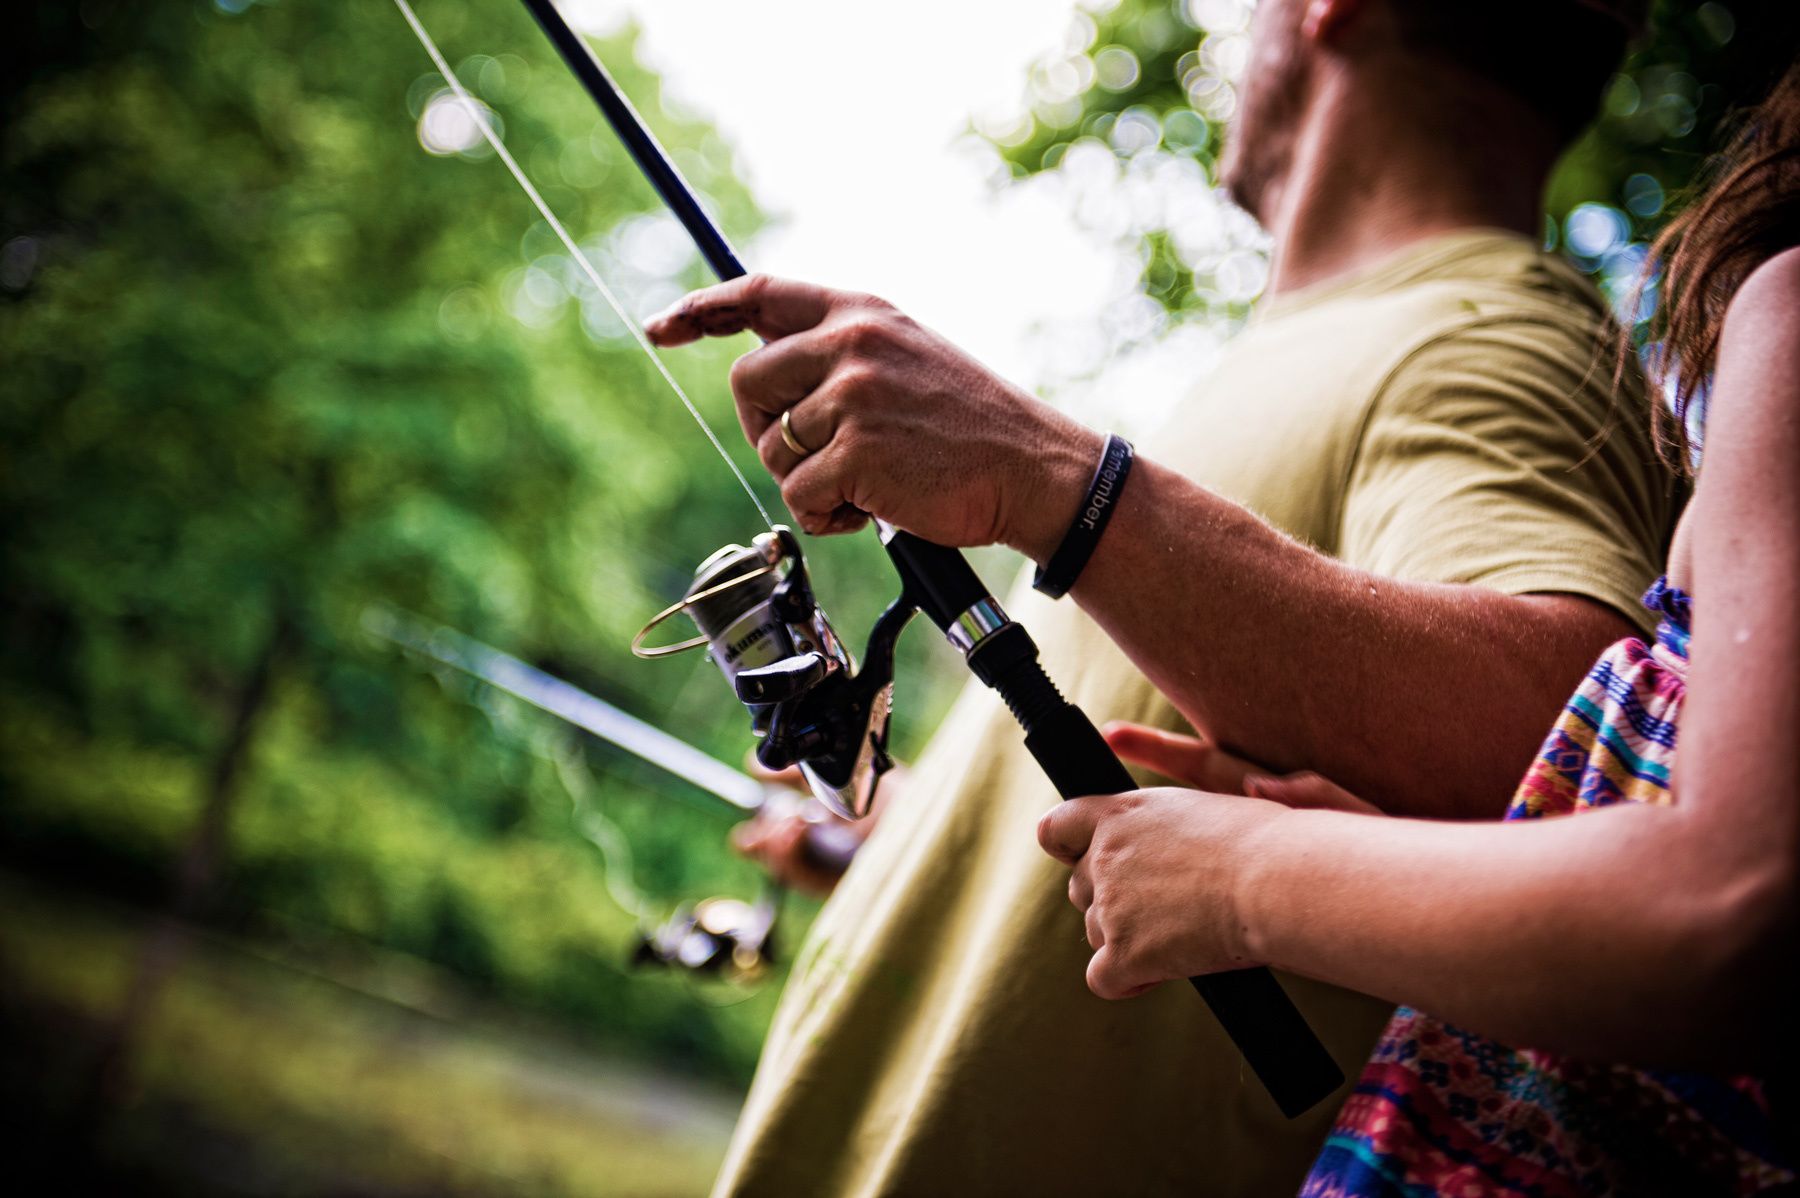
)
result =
(743, 373)
(865, 332)
(855, 378)
(848, 438)
(768, 449)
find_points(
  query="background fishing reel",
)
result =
(732, 939)
(809, 705)
(721, 937)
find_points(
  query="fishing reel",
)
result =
(762, 626)
(729, 938)
(719, 937)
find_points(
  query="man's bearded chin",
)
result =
(1247, 166)
(1236, 174)
(1261, 139)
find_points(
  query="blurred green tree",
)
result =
(1141, 91)
(285, 342)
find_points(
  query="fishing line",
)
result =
(597, 828)
(478, 114)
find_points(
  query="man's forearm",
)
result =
(1433, 697)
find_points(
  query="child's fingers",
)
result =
(1307, 789)
(1193, 760)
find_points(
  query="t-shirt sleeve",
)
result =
(1496, 455)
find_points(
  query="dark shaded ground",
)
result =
(317, 1073)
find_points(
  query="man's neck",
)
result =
(1363, 186)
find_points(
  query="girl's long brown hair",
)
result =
(1745, 210)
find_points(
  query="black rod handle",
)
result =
(938, 579)
(1256, 1013)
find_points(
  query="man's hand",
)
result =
(780, 843)
(787, 838)
(897, 422)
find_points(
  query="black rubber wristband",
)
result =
(1065, 565)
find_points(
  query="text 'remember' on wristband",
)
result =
(1065, 565)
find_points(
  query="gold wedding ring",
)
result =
(787, 434)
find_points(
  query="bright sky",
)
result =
(845, 116)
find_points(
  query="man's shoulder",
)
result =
(1531, 293)
(1525, 322)
(1513, 296)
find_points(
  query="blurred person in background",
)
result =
(1657, 930)
(1410, 472)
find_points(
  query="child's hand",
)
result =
(1200, 763)
(1157, 874)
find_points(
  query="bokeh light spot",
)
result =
(464, 314)
(1717, 22)
(1643, 195)
(1219, 16)
(1186, 130)
(1676, 113)
(1117, 68)
(1136, 131)
(446, 126)
(1226, 54)
(1623, 96)
(1241, 276)
(1594, 230)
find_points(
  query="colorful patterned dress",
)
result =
(1442, 1111)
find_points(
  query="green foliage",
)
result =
(270, 364)
(1150, 82)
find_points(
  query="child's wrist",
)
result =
(1262, 870)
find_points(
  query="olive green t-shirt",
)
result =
(1434, 419)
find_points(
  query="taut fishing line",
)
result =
(478, 114)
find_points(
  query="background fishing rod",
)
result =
(716, 935)
(1250, 1004)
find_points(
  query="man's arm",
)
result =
(1432, 696)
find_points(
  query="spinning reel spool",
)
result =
(763, 627)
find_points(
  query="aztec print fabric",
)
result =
(1441, 1111)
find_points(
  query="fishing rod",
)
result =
(715, 935)
(809, 705)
